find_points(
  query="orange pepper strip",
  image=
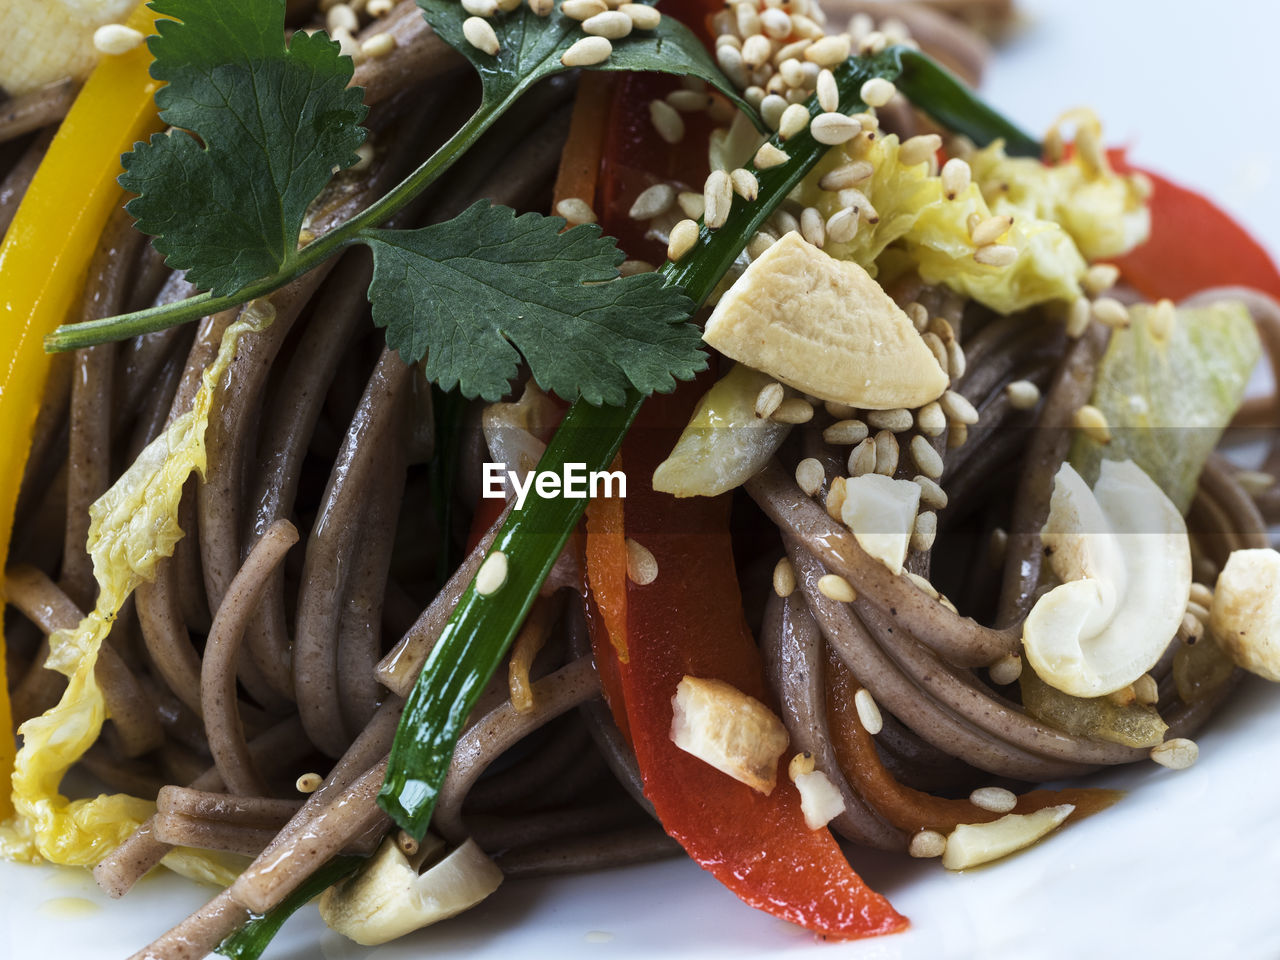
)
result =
(43, 262)
(914, 810)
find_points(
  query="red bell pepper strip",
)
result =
(1194, 245)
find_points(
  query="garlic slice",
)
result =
(1123, 552)
(733, 732)
(971, 844)
(1245, 619)
(881, 512)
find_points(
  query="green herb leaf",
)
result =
(473, 294)
(267, 124)
(530, 47)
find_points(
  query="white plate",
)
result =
(1184, 866)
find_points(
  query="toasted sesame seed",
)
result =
(990, 230)
(956, 175)
(1078, 316)
(793, 120)
(689, 101)
(653, 201)
(729, 40)
(957, 436)
(541, 8)
(611, 25)
(1110, 311)
(930, 420)
(873, 42)
(1201, 594)
(846, 432)
(836, 493)
(922, 584)
(862, 458)
(853, 197)
(835, 587)
(589, 51)
(690, 204)
(1006, 670)
(745, 184)
(756, 51)
(1176, 754)
(772, 108)
(379, 8)
(793, 410)
(583, 9)
(931, 494)
(1022, 394)
(1162, 319)
(958, 409)
(575, 210)
(956, 361)
(924, 532)
(114, 39)
(492, 574)
(877, 92)
(308, 783)
(918, 315)
(919, 149)
(868, 711)
(926, 458)
(828, 92)
(1093, 423)
(886, 453)
(1100, 277)
(897, 420)
(801, 764)
(792, 72)
(809, 475)
(379, 45)
(793, 50)
(995, 799)
(629, 268)
(666, 120)
(767, 400)
(1192, 627)
(841, 411)
(785, 223)
(479, 33)
(717, 198)
(768, 156)
(846, 175)
(760, 241)
(406, 843)
(842, 226)
(784, 578)
(1198, 611)
(812, 227)
(926, 844)
(996, 255)
(748, 19)
(341, 17)
(643, 16)
(642, 566)
(683, 236)
(775, 23)
(830, 51)
(730, 60)
(1146, 689)
(834, 128)
(936, 347)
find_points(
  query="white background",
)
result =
(1185, 866)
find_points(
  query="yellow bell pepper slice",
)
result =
(43, 262)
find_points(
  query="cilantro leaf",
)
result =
(530, 48)
(267, 124)
(474, 293)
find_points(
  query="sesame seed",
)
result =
(937, 347)
(922, 584)
(809, 476)
(955, 175)
(924, 532)
(995, 799)
(1192, 627)
(836, 493)
(772, 108)
(730, 60)
(1078, 316)
(1110, 311)
(775, 23)
(1162, 319)
(589, 51)
(886, 453)
(342, 17)
(629, 268)
(541, 8)
(768, 399)
(665, 118)
(1022, 394)
(835, 587)
(930, 420)
(492, 574)
(873, 42)
(801, 764)
(793, 120)
(862, 458)
(996, 255)
(309, 783)
(642, 566)
(920, 149)
(653, 201)
(812, 227)
(784, 578)
(690, 204)
(379, 8)
(1093, 423)
(683, 236)
(846, 175)
(1198, 611)
(868, 711)
(931, 494)
(575, 210)
(792, 50)
(1176, 754)
(1100, 278)
(842, 225)
(748, 19)
(479, 33)
(717, 198)
(1201, 594)
(793, 410)
(365, 153)
(406, 843)
(834, 128)
(1006, 670)
(897, 420)
(768, 156)
(756, 51)
(877, 92)
(958, 409)
(841, 411)
(114, 39)
(689, 101)
(830, 51)
(828, 92)
(926, 458)
(611, 25)
(957, 436)
(379, 45)
(926, 844)
(956, 361)
(582, 9)
(1146, 689)
(990, 230)
(846, 432)
(760, 242)
(729, 40)
(643, 16)
(745, 184)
